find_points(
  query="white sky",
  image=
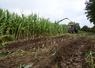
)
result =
(52, 9)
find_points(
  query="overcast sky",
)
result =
(52, 9)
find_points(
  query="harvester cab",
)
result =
(72, 27)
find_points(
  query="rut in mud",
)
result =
(55, 52)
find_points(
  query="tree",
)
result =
(90, 10)
(85, 28)
(93, 29)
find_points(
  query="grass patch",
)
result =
(4, 39)
(2, 54)
(90, 59)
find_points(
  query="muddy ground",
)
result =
(49, 52)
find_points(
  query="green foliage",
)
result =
(6, 38)
(85, 28)
(93, 29)
(27, 26)
(2, 54)
(90, 59)
(90, 10)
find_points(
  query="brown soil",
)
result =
(54, 52)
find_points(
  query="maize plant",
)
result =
(27, 26)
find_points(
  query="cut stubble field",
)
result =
(66, 51)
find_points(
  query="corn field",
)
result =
(27, 26)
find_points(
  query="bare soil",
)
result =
(52, 52)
